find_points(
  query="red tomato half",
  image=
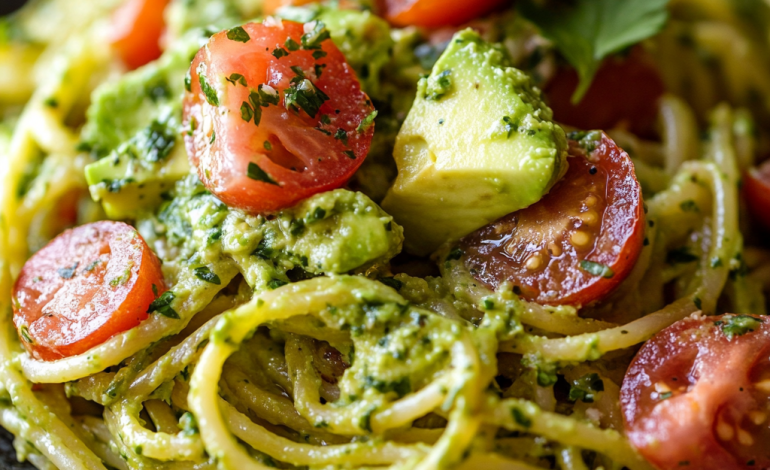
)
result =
(577, 243)
(624, 92)
(697, 395)
(136, 30)
(435, 13)
(87, 285)
(276, 116)
(756, 189)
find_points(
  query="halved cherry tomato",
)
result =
(435, 13)
(87, 285)
(578, 242)
(136, 30)
(756, 189)
(276, 115)
(697, 394)
(624, 92)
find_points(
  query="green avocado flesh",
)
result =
(478, 143)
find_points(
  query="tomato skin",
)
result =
(302, 156)
(756, 190)
(713, 405)
(537, 248)
(436, 13)
(137, 27)
(624, 92)
(87, 285)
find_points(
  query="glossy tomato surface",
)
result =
(699, 392)
(276, 115)
(87, 285)
(436, 13)
(578, 242)
(756, 189)
(624, 93)
(136, 30)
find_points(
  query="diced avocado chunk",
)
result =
(134, 126)
(478, 143)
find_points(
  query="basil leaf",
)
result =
(587, 31)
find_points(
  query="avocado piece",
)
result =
(134, 125)
(478, 143)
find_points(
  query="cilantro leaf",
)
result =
(587, 31)
(740, 325)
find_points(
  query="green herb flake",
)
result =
(350, 154)
(268, 95)
(291, 44)
(455, 254)
(597, 269)
(162, 305)
(208, 91)
(236, 79)
(587, 31)
(342, 136)
(268, 146)
(665, 395)
(520, 418)
(24, 333)
(738, 325)
(585, 388)
(304, 95)
(276, 283)
(367, 122)
(279, 52)
(238, 34)
(258, 174)
(204, 274)
(247, 112)
(315, 34)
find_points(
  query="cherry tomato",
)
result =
(136, 30)
(435, 13)
(87, 285)
(624, 92)
(578, 242)
(276, 115)
(698, 393)
(756, 189)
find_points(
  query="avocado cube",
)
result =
(478, 143)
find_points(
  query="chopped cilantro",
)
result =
(258, 174)
(247, 112)
(739, 325)
(585, 388)
(237, 78)
(208, 90)
(342, 136)
(367, 122)
(319, 54)
(279, 52)
(268, 95)
(268, 146)
(306, 96)
(204, 274)
(315, 34)
(24, 333)
(291, 44)
(238, 34)
(597, 269)
(276, 283)
(350, 154)
(162, 305)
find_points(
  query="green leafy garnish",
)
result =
(587, 31)
(317, 34)
(306, 96)
(597, 269)
(585, 388)
(204, 274)
(208, 90)
(739, 325)
(367, 122)
(258, 174)
(162, 305)
(236, 78)
(238, 34)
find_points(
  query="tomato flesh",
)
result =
(555, 252)
(436, 13)
(293, 152)
(136, 30)
(694, 394)
(756, 189)
(624, 92)
(87, 285)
